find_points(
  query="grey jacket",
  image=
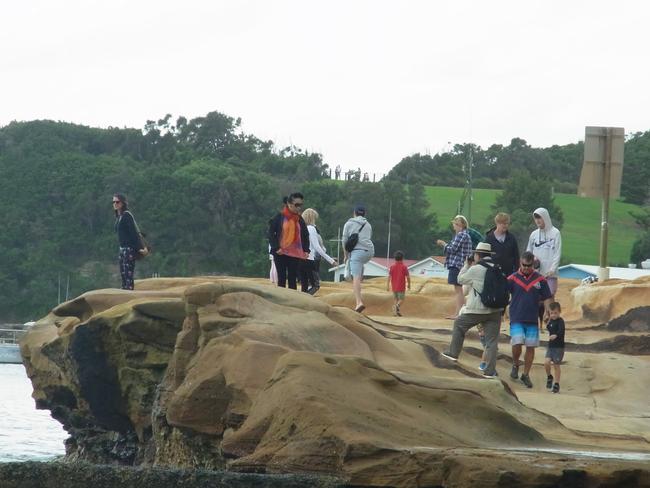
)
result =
(365, 236)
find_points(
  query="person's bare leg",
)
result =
(556, 370)
(529, 355)
(516, 354)
(459, 298)
(547, 366)
(356, 287)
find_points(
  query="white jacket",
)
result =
(316, 245)
(546, 245)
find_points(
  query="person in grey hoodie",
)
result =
(474, 312)
(363, 251)
(545, 243)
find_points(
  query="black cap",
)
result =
(360, 209)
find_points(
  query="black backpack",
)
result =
(496, 292)
(353, 239)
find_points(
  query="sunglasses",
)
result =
(524, 265)
(297, 204)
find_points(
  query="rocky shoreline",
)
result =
(230, 382)
(452, 468)
(83, 475)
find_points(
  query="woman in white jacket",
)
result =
(309, 276)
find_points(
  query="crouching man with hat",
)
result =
(474, 312)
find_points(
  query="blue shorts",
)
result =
(527, 334)
(357, 259)
(452, 277)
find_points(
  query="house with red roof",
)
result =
(433, 266)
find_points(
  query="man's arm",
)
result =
(547, 302)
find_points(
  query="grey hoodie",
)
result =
(365, 236)
(546, 245)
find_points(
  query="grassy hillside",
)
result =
(581, 230)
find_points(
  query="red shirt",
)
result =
(398, 273)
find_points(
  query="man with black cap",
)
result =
(474, 312)
(362, 251)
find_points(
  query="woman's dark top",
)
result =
(127, 234)
(507, 252)
(275, 233)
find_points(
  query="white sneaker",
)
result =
(448, 355)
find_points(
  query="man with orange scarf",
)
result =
(289, 240)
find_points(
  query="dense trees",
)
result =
(204, 190)
(201, 189)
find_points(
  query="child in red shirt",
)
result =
(398, 277)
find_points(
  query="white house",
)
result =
(582, 271)
(428, 267)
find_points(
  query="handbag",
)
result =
(144, 243)
(353, 239)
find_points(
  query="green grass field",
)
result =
(581, 229)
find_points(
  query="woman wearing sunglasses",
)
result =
(129, 238)
(289, 240)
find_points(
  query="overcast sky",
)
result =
(365, 83)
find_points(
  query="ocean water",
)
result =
(26, 434)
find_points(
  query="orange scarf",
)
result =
(290, 242)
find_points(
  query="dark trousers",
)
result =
(309, 274)
(287, 268)
(127, 267)
(491, 322)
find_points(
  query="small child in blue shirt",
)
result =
(555, 350)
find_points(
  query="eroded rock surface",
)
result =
(239, 375)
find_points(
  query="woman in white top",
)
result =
(309, 276)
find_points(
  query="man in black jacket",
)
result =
(504, 244)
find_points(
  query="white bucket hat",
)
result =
(483, 248)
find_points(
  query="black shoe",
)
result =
(397, 311)
(525, 379)
(313, 290)
(556, 388)
(514, 373)
(448, 355)
(549, 381)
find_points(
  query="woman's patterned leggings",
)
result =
(127, 267)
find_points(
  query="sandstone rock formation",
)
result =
(240, 375)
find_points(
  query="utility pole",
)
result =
(469, 184)
(604, 224)
(390, 218)
(338, 253)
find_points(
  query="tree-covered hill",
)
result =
(492, 167)
(201, 189)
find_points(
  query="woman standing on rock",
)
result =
(129, 239)
(289, 240)
(456, 252)
(309, 275)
